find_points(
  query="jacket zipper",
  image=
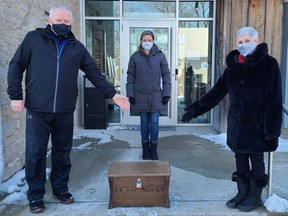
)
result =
(59, 51)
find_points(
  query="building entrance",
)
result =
(164, 32)
(184, 30)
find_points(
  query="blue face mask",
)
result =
(147, 45)
(246, 48)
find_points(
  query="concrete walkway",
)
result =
(200, 183)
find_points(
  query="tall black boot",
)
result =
(253, 199)
(243, 185)
(153, 150)
(146, 150)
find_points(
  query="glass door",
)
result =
(194, 65)
(164, 32)
(195, 55)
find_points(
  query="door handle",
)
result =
(176, 74)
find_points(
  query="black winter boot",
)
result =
(243, 185)
(253, 199)
(153, 150)
(146, 150)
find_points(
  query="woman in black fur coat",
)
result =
(253, 82)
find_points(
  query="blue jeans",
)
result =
(149, 122)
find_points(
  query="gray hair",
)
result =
(247, 31)
(53, 9)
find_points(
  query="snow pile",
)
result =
(104, 138)
(1, 160)
(220, 139)
(16, 188)
(276, 204)
(1, 152)
(83, 146)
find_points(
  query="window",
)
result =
(102, 8)
(196, 9)
(103, 43)
(149, 9)
(194, 65)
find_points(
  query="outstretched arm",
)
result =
(208, 101)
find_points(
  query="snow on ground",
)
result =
(1, 152)
(104, 138)
(1, 160)
(276, 204)
(220, 139)
(16, 187)
(83, 146)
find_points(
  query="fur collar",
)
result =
(251, 60)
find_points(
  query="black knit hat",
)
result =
(147, 32)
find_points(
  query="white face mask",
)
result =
(246, 48)
(147, 45)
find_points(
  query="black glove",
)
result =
(187, 116)
(165, 100)
(132, 100)
(271, 144)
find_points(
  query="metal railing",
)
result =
(270, 162)
(285, 109)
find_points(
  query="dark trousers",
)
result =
(39, 127)
(257, 164)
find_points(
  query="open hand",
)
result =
(121, 101)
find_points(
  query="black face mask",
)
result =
(61, 29)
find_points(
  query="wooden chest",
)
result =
(139, 184)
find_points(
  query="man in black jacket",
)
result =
(51, 57)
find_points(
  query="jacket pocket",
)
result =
(157, 88)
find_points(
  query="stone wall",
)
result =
(16, 19)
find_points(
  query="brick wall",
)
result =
(16, 19)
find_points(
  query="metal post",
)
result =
(285, 109)
(270, 164)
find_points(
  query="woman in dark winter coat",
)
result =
(252, 80)
(148, 88)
